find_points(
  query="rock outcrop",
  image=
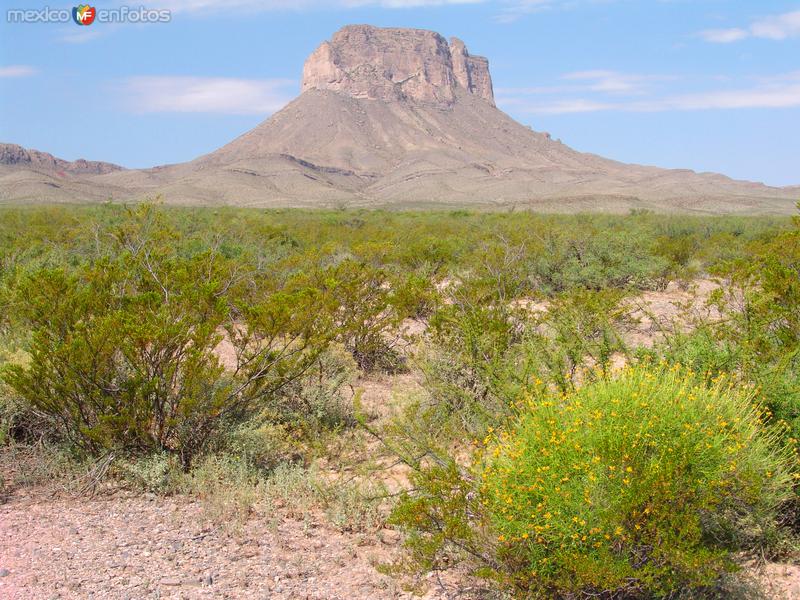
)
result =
(471, 72)
(374, 63)
(14, 155)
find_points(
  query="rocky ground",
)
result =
(125, 546)
(58, 544)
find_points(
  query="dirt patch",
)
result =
(125, 546)
(128, 546)
(677, 307)
(780, 581)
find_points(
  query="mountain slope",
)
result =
(401, 117)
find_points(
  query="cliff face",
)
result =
(392, 65)
(471, 72)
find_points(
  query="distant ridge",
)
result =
(398, 118)
(14, 155)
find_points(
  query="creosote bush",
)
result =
(123, 351)
(640, 484)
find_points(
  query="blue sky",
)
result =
(711, 85)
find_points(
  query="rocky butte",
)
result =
(396, 65)
(394, 117)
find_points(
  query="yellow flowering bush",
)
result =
(638, 484)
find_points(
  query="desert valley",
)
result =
(393, 343)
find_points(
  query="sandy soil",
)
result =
(138, 546)
(129, 547)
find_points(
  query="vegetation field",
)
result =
(578, 406)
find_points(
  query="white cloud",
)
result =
(206, 95)
(519, 8)
(513, 10)
(17, 71)
(724, 36)
(780, 91)
(599, 81)
(775, 27)
(777, 96)
(778, 27)
(564, 107)
(613, 82)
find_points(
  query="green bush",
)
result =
(636, 485)
(227, 486)
(123, 351)
(756, 338)
(322, 398)
(644, 483)
(302, 418)
(468, 363)
(368, 316)
(481, 356)
(578, 330)
(157, 473)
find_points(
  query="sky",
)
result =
(709, 85)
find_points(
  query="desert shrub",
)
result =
(481, 357)
(355, 506)
(123, 349)
(348, 504)
(11, 414)
(425, 252)
(756, 338)
(639, 483)
(322, 397)
(415, 295)
(498, 271)
(228, 487)
(262, 443)
(598, 258)
(643, 483)
(302, 417)
(294, 488)
(158, 473)
(466, 362)
(19, 421)
(575, 338)
(367, 316)
(42, 464)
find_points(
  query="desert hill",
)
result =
(402, 117)
(30, 175)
